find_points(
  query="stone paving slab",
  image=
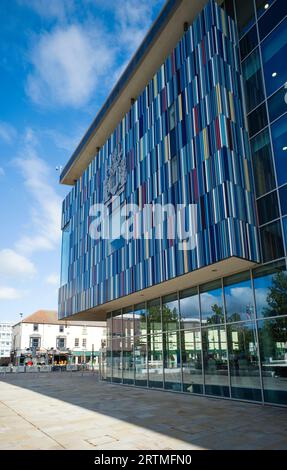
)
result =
(74, 411)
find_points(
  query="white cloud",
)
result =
(67, 64)
(52, 9)
(10, 293)
(45, 223)
(2, 172)
(13, 264)
(53, 279)
(7, 132)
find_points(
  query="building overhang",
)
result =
(160, 40)
(209, 273)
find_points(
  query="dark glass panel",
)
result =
(270, 284)
(257, 120)
(211, 303)
(253, 81)
(273, 352)
(215, 361)
(245, 15)
(170, 312)
(262, 163)
(277, 104)
(128, 321)
(192, 361)
(172, 362)
(140, 361)
(283, 199)
(140, 316)
(279, 139)
(238, 297)
(272, 242)
(268, 208)
(248, 43)
(262, 6)
(155, 361)
(274, 49)
(272, 17)
(154, 316)
(128, 360)
(229, 8)
(189, 308)
(243, 361)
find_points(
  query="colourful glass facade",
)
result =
(190, 116)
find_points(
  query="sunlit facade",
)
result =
(206, 128)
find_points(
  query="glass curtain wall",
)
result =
(226, 338)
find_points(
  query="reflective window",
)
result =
(270, 283)
(245, 16)
(109, 324)
(154, 316)
(283, 199)
(248, 42)
(262, 6)
(117, 323)
(257, 120)
(229, 8)
(273, 352)
(128, 321)
(170, 312)
(243, 361)
(174, 170)
(171, 117)
(140, 361)
(215, 361)
(128, 360)
(189, 308)
(277, 104)
(117, 359)
(279, 137)
(274, 47)
(106, 361)
(140, 316)
(65, 258)
(252, 75)
(172, 361)
(238, 294)
(155, 361)
(192, 361)
(262, 163)
(272, 241)
(211, 303)
(268, 208)
(272, 17)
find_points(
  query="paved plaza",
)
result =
(75, 411)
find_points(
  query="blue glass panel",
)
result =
(283, 199)
(272, 17)
(274, 48)
(65, 261)
(277, 104)
(279, 136)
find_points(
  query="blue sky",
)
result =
(58, 61)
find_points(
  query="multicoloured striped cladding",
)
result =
(192, 111)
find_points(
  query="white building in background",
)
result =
(5, 341)
(41, 337)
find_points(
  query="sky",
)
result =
(58, 61)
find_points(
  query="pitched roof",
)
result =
(51, 317)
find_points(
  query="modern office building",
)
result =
(5, 342)
(195, 294)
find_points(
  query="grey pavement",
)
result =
(75, 411)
